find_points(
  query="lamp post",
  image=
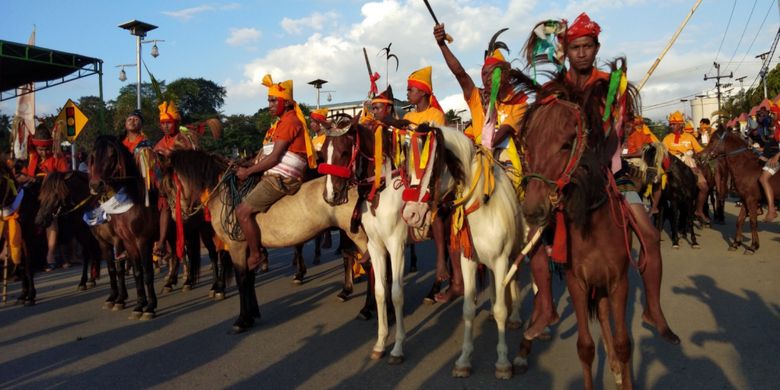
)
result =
(683, 101)
(318, 85)
(139, 29)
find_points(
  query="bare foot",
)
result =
(771, 215)
(442, 274)
(664, 330)
(452, 293)
(540, 324)
(253, 262)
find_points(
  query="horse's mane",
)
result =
(586, 191)
(126, 167)
(461, 149)
(198, 168)
(54, 188)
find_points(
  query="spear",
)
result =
(447, 37)
(388, 56)
(373, 77)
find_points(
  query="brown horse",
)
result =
(568, 182)
(292, 220)
(745, 168)
(67, 196)
(113, 173)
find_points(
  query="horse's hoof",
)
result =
(514, 325)
(91, 284)
(316, 260)
(749, 252)
(219, 296)
(696, 246)
(732, 248)
(364, 314)
(395, 360)
(504, 373)
(167, 289)
(546, 334)
(212, 293)
(298, 279)
(520, 365)
(135, 315)
(147, 316)
(108, 305)
(29, 302)
(429, 301)
(81, 287)
(412, 269)
(376, 355)
(675, 246)
(118, 306)
(186, 287)
(461, 372)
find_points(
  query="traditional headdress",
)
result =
(688, 127)
(582, 27)
(284, 90)
(676, 118)
(136, 113)
(168, 112)
(386, 97)
(421, 79)
(319, 115)
(42, 137)
(493, 56)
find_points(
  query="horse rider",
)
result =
(683, 145)
(42, 162)
(319, 123)
(639, 137)
(287, 150)
(502, 115)
(705, 131)
(580, 46)
(770, 154)
(133, 134)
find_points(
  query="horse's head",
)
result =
(340, 151)
(108, 162)
(722, 142)
(554, 141)
(60, 194)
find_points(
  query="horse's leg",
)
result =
(378, 260)
(586, 349)
(753, 206)
(220, 274)
(503, 366)
(370, 304)
(141, 301)
(85, 263)
(675, 225)
(513, 295)
(300, 264)
(317, 246)
(147, 265)
(395, 246)
(692, 231)
(617, 301)
(544, 313)
(607, 337)
(413, 258)
(346, 291)
(192, 242)
(245, 279)
(463, 364)
(119, 304)
(738, 233)
(520, 363)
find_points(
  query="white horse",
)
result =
(497, 230)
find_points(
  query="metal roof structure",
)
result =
(21, 64)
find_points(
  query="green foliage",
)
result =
(100, 117)
(5, 132)
(197, 99)
(744, 101)
(125, 103)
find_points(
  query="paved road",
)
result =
(724, 305)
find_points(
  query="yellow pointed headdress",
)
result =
(676, 118)
(319, 115)
(168, 112)
(282, 90)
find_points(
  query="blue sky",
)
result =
(234, 43)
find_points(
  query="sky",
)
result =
(234, 43)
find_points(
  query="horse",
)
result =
(678, 196)
(27, 241)
(484, 201)
(63, 199)
(199, 171)
(745, 168)
(113, 174)
(568, 184)
(68, 196)
(717, 175)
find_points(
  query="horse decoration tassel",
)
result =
(544, 45)
(528, 246)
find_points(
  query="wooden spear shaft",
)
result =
(668, 46)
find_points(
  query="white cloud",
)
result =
(188, 13)
(315, 21)
(243, 36)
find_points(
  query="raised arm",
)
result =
(466, 83)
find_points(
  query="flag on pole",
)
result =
(24, 119)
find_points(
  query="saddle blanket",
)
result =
(8, 211)
(117, 204)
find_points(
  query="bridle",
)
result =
(577, 150)
(342, 171)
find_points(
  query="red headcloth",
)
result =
(582, 27)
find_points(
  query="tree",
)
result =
(744, 101)
(5, 132)
(197, 99)
(125, 103)
(100, 118)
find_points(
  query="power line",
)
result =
(733, 7)
(760, 26)
(743, 31)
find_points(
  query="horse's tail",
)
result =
(595, 294)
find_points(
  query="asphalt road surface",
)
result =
(724, 305)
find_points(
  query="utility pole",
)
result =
(718, 85)
(763, 71)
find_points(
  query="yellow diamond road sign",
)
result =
(71, 120)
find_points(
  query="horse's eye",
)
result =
(566, 146)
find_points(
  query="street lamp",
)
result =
(139, 29)
(683, 101)
(318, 84)
(122, 74)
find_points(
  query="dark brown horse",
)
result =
(113, 174)
(19, 205)
(66, 196)
(745, 168)
(568, 182)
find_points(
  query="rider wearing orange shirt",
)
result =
(287, 150)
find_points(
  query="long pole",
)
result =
(138, 70)
(668, 46)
